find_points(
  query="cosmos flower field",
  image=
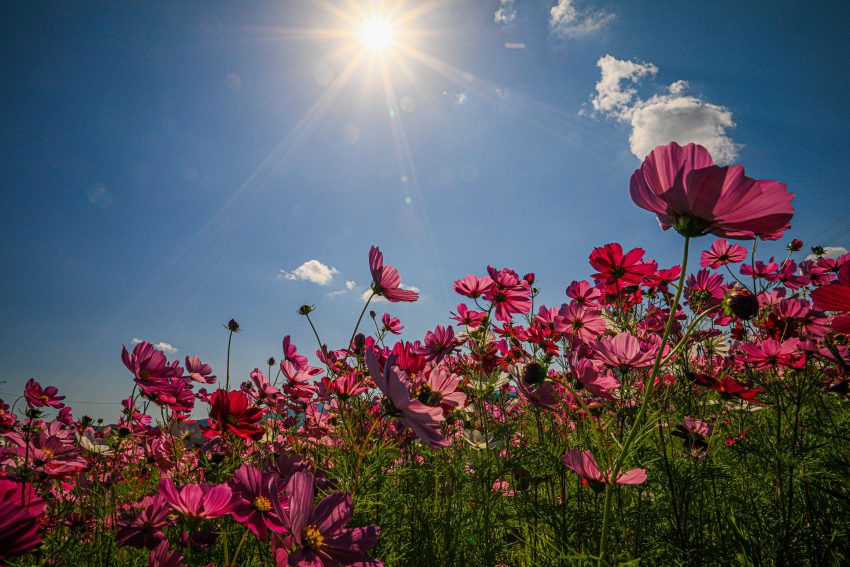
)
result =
(693, 414)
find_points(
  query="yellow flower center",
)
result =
(311, 537)
(262, 504)
(45, 398)
(48, 454)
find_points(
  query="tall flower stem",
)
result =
(359, 319)
(229, 339)
(647, 394)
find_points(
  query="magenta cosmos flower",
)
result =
(252, 500)
(141, 525)
(509, 294)
(687, 192)
(722, 253)
(204, 501)
(423, 420)
(18, 530)
(584, 465)
(319, 533)
(836, 297)
(385, 279)
(37, 396)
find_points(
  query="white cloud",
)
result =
(670, 116)
(311, 271)
(829, 252)
(380, 298)
(161, 345)
(506, 12)
(349, 285)
(460, 98)
(567, 21)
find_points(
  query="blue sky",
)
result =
(163, 163)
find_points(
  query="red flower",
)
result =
(617, 270)
(230, 412)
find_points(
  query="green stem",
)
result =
(239, 547)
(229, 338)
(357, 326)
(648, 387)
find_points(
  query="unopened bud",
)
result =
(306, 309)
(745, 305)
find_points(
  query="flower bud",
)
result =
(534, 373)
(795, 245)
(306, 309)
(271, 361)
(744, 305)
(232, 326)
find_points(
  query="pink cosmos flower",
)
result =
(386, 281)
(602, 384)
(203, 501)
(771, 353)
(348, 385)
(581, 292)
(584, 465)
(164, 556)
(468, 317)
(198, 371)
(438, 343)
(705, 289)
(18, 530)
(509, 294)
(265, 392)
(694, 433)
(836, 297)
(440, 388)
(421, 419)
(722, 253)
(623, 352)
(252, 500)
(141, 525)
(391, 324)
(319, 536)
(290, 353)
(149, 364)
(687, 192)
(617, 270)
(579, 321)
(38, 397)
(472, 287)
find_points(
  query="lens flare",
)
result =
(377, 33)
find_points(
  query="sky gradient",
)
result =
(166, 167)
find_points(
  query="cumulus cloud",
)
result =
(565, 20)
(829, 252)
(349, 285)
(506, 12)
(311, 271)
(380, 298)
(671, 115)
(161, 345)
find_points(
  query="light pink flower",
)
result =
(386, 281)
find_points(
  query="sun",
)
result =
(377, 33)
